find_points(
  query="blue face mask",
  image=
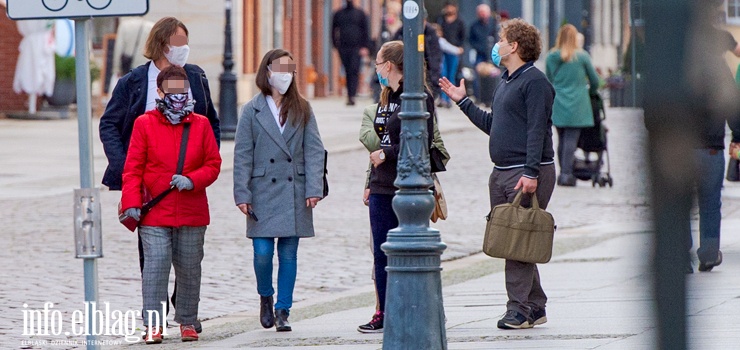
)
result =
(495, 56)
(381, 80)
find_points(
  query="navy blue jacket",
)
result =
(520, 122)
(128, 102)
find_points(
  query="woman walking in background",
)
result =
(571, 73)
(278, 179)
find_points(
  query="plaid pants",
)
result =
(183, 248)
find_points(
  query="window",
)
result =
(733, 12)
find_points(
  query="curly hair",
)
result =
(526, 35)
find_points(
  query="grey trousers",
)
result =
(183, 248)
(522, 279)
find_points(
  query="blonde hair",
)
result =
(567, 42)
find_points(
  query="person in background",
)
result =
(709, 154)
(453, 32)
(278, 179)
(387, 126)
(130, 39)
(351, 37)
(574, 78)
(482, 37)
(520, 146)
(173, 231)
(136, 93)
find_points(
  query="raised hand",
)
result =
(456, 93)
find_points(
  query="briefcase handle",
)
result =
(518, 200)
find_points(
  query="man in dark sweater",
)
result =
(351, 37)
(520, 146)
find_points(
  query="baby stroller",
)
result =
(593, 143)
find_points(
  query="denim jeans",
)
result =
(449, 70)
(287, 248)
(382, 219)
(711, 164)
(567, 145)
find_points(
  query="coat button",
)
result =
(274, 180)
(290, 160)
(272, 160)
(290, 179)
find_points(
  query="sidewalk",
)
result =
(598, 287)
(599, 298)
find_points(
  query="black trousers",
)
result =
(351, 62)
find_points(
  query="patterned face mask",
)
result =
(175, 107)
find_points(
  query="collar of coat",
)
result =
(264, 117)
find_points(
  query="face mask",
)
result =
(175, 107)
(178, 55)
(280, 81)
(495, 56)
(382, 81)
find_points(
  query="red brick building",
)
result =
(9, 41)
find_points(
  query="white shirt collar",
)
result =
(275, 112)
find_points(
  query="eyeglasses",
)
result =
(379, 63)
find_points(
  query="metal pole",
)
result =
(633, 45)
(414, 313)
(277, 18)
(85, 134)
(671, 118)
(227, 92)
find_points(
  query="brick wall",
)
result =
(9, 42)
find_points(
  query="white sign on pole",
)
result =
(39, 9)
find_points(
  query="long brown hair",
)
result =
(294, 107)
(566, 42)
(160, 35)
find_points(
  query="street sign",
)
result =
(40, 9)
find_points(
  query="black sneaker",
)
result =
(513, 320)
(374, 326)
(539, 317)
(708, 266)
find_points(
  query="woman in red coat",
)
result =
(172, 232)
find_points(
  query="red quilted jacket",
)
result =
(152, 160)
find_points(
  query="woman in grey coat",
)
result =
(278, 179)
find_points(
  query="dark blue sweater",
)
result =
(520, 123)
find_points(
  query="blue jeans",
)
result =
(287, 248)
(382, 219)
(449, 71)
(711, 164)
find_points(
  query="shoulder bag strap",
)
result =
(180, 163)
(138, 38)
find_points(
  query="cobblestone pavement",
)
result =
(39, 169)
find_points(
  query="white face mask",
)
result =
(178, 55)
(280, 81)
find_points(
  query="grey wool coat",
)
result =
(275, 172)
